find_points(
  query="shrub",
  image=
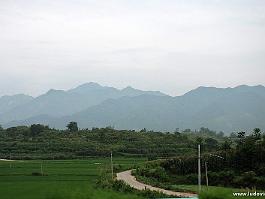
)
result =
(38, 174)
(214, 194)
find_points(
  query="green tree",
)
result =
(241, 134)
(226, 145)
(143, 130)
(199, 140)
(211, 143)
(187, 131)
(257, 133)
(72, 126)
(220, 134)
(36, 129)
(1, 128)
(233, 135)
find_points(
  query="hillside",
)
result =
(221, 109)
(8, 103)
(58, 103)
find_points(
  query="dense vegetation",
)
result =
(235, 161)
(238, 162)
(41, 142)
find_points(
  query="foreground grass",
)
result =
(219, 193)
(67, 179)
(212, 192)
(194, 188)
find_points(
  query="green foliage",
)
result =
(211, 144)
(213, 194)
(36, 129)
(40, 142)
(226, 145)
(257, 133)
(235, 164)
(37, 174)
(223, 193)
(72, 126)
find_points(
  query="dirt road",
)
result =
(6, 160)
(129, 179)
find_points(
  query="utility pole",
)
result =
(199, 168)
(206, 175)
(111, 165)
(10, 165)
(41, 168)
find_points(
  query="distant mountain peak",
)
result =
(54, 91)
(129, 88)
(86, 86)
(90, 84)
(247, 86)
(17, 96)
(205, 87)
(201, 90)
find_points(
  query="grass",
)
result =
(224, 193)
(76, 179)
(62, 179)
(194, 188)
(214, 192)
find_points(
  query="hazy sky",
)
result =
(167, 45)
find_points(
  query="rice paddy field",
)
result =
(76, 179)
(62, 179)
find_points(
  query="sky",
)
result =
(168, 45)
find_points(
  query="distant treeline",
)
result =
(41, 142)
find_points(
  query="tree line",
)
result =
(42, 142)
(238, 162)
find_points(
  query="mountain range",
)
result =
(92, 105)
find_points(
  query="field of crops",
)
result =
(61, 179)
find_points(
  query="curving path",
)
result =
(129, 179)
(7, 160)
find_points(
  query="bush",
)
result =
(191, 178)
(246, 180)
(214, 194)
(121, 186)
(38, 174)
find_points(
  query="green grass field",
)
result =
(63, 179)
(194, 188)
(76, 179)
(214, 192)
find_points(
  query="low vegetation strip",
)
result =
(127, 177)
(41, 142)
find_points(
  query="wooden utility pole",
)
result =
(10, 165)
(41, 168)
(111, 165)
(199, 168)
(206, 175)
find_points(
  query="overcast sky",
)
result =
(168, 45)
